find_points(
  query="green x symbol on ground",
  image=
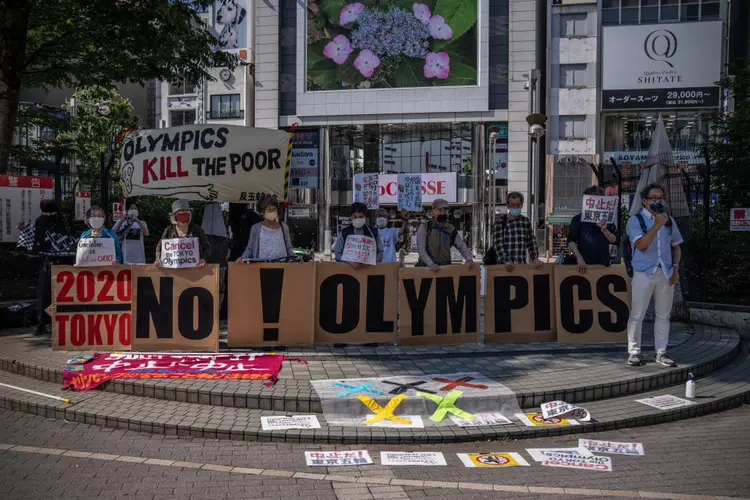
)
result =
(446, 405)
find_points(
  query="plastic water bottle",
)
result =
(690, 387)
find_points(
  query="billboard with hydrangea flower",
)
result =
(391, 43)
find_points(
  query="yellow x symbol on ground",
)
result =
(384, 413)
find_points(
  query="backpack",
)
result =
(627, 250)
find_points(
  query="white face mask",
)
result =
(96, 222)
(133, 212)
(381, 222)
(272, 216)
(358, 223)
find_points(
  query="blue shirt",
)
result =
(106, 233)
(659, 253)
(389, 237)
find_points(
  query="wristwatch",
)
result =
(675, 266)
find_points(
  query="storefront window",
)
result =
(658, 11)
(632, 131)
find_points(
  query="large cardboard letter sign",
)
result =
(91, 308)
(520, 306)
(439, 307)
(271, 304)
(356, 305)
(176, 309)
(594, 307)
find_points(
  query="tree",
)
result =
(98, 42)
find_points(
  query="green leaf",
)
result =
(325, 74)
(410, 73)
(461, 74)
(332, 9)
(315, 52)
(460, 15)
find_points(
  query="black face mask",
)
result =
(442, 218)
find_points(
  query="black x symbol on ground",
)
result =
(405, 387)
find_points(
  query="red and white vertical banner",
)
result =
(83, 203)
(19, 202)
(740, 219)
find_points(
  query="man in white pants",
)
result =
(656, 257)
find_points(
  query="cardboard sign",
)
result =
(740, 219)
(337, 458)
(360, 250)
(83, 203)
(593, 307)
(95, 252)
(366, 190)
(422, 458)
(612, 447)
(91, 309)
(271, 304)
(410, 192)
(439, 307)
(492, 459)
(177, 253)
(520, 306)
(356, 305)
(207, 162)
(176, 309)
(282, 422)
(665, 402)
(598, 209)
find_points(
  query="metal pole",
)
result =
(324, 198)
(530, 155)
(478, 222)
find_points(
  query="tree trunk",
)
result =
(14, 21)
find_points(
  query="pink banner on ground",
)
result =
(109, 366)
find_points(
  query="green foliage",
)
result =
(460, 15)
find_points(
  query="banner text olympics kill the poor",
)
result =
(205, 162)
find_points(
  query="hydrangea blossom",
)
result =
(350, 13)
(439, 30)
(338, 49)
(437, 65)
(392, 33)
(366, 62)
(421, 12)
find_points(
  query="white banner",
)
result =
(83, 203)
(95, 252)
(410, 192)
(282, 422)
(434, 186)
(661, 56)
(565, 410)
(366, 190)
(665, 402)
(611, 447)
(541, 454)
(575, 461)
(360, 250)
(337, 458)
(180, 252)
(599, 209)
(422, 458)
(205, 162)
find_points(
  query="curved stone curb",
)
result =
(706, 350)
(726, 388)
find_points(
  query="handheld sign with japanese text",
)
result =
(360, 250)
(95, 252)
(599, 209)
(179, 253)
(91, 308)
(366, 190)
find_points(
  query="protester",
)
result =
(181, 227)
(48, 225)
(268, 240)
(403, 244)
(242, 218)
(95, 218)
(589, 242)
(388, 235)
(436, 237)
(131, 231)
(358, 227)
(515, 241)
(656, 243)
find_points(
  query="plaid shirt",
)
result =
(513, 239)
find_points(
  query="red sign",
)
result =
(26, 181)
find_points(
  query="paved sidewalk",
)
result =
(705, 456)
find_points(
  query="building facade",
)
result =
(615, 67)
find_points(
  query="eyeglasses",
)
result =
(655, 198)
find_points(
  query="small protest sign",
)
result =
(95, 252)
(541, 454)
(422, 458)
(665, 402)
(575, 461)
(611, 447)
(481, 420)
(740, 219)
(599, 209)
(492, 459)
(410, 192)
(360, 250)
(563, 409)
(337, 458)
(367, 190)
(177, 253)
(538, 420)
(83, 203)
(283, 422)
